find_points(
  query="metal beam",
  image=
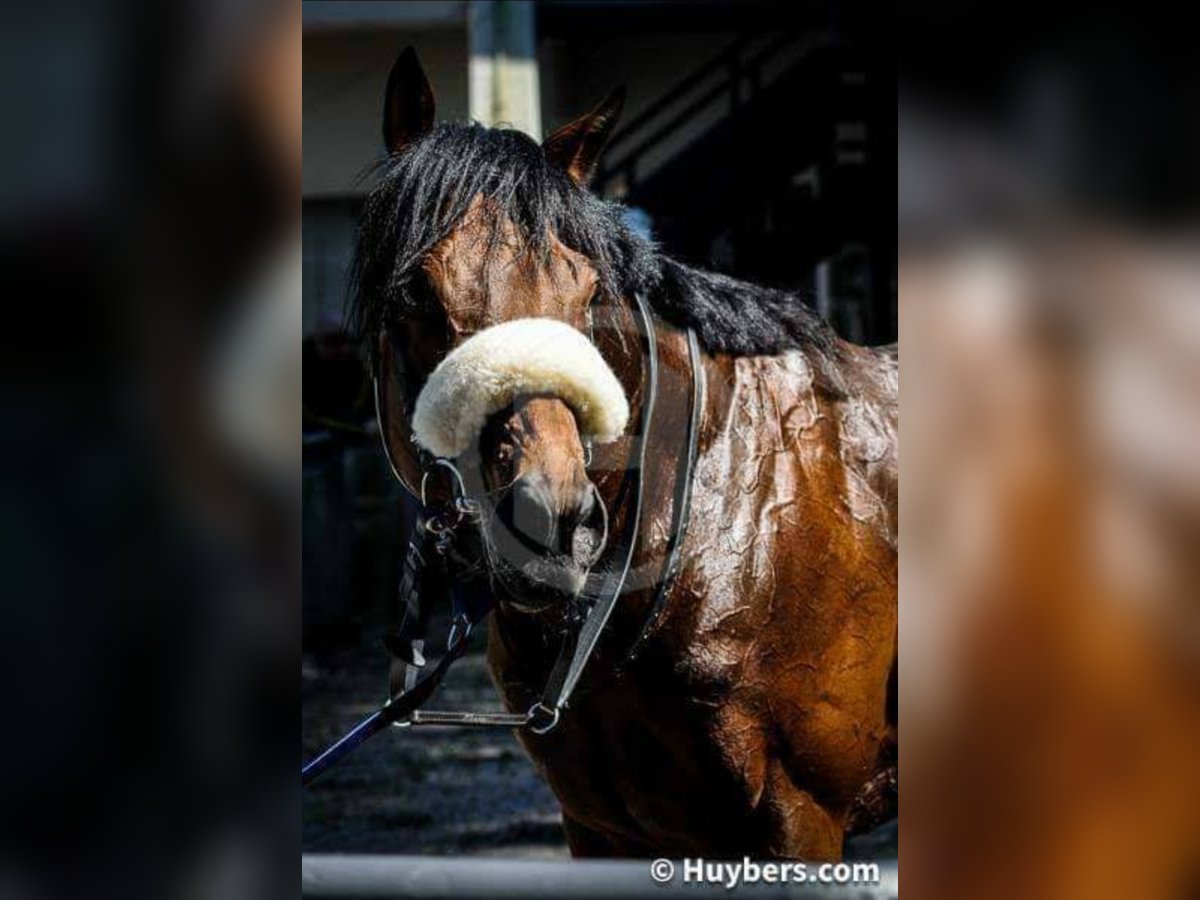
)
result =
(503, 68)
(427, 877)
(365, 15)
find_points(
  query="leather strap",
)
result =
(423, 582)
(397, 709)
(682, 506)
(577, 649)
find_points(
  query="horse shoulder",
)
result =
(792, 571)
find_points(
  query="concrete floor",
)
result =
(426, 791)
(436, 790)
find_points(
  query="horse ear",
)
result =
(575, 148)
(408, 105)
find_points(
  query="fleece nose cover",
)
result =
(525, 356)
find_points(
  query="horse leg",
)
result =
(797, 826)
(878, 800)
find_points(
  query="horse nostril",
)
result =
(529, 511)
(590, 534)
(579, 531)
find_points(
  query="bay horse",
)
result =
(758, 715)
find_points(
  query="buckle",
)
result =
(459, 490)
(542, 710)
(461, 509)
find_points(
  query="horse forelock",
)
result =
(502, 179)
(426, 190)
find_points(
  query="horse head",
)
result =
(478, 302)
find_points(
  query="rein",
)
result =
(426, 573)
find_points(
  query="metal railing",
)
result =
(427, 877)
(731, 79)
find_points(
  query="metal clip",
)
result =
(399, 723)
(460, 622)
(468, 509)
(465, 508)
(460, 485)
(542, 708)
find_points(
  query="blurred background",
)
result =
(150, 196)
(150, 405)
(758, 139)
(1049, 235)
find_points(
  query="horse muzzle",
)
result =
(545, 539)
(547, 530)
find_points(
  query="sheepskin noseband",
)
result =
(525, 356)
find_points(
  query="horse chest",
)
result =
(640, 763)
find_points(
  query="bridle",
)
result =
(431, 559)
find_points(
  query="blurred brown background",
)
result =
(1050, 328)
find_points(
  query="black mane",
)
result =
(427, 188)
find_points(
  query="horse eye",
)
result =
(421, 290)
